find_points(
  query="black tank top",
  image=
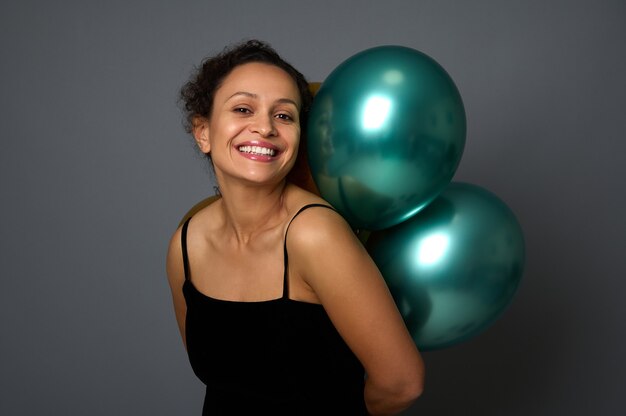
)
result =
(276, 357)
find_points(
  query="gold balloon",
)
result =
(314, 87)
(204, 203)
(300, 174)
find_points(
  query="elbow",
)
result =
(414, 384)
(392, 398)
(410, 391)
(410, 387)
(415, 390)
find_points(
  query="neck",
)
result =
(251, 210)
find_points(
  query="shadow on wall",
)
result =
(510, 369)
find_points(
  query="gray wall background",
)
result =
(96, 171)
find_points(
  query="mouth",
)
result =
(257, 150)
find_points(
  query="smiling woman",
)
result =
(253, 130)
(279, 306)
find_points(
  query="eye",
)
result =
(284, 116)
(242, 110)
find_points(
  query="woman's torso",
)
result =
(279, 355)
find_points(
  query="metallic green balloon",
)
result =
(386, 133)
(454, 267)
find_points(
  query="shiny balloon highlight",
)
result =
(385, 135)
(454, 267)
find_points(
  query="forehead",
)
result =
(260, 79)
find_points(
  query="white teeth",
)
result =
(258, 150)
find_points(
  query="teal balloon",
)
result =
(454, 267)
(386, 133)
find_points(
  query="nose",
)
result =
(263, 125)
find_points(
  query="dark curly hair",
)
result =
(198, 93)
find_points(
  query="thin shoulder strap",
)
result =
(183, 242)
(285, 256)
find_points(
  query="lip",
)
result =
(256, 156)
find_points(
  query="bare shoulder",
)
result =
(176, 278)
(174, 260)
(317, 224)
(324, 250)
(314, 215)
(201, 219)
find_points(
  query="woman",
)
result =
(280, 307)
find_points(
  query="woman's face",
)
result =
(254, 129)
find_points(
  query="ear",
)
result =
(200, 132)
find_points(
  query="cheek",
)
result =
(295, 135)
(225, 133)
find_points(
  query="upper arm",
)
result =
(331, 259)
(176, 278)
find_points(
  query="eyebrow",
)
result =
(251, 95)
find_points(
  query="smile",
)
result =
(257, 150)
